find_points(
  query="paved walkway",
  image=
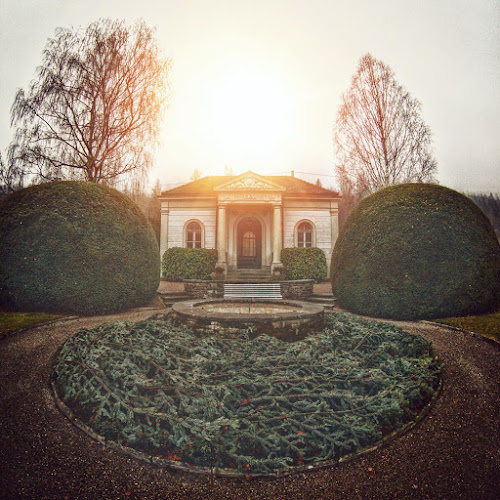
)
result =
(454, 453)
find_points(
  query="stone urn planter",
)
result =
(279, 273)
(218, 273)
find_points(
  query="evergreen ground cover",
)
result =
(253, 405)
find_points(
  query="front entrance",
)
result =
(249, 244)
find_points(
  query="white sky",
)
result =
(290, 59)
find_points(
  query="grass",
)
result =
(13, 321)
(487, 325)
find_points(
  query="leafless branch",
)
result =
(380, 138)
(94, 111)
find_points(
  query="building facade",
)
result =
(249, 218)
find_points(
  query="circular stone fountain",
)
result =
(287, 320)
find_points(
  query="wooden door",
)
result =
(249, 244)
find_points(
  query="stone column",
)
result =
(222, 237)
(277, 237)
(163, 229)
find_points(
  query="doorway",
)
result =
(249, 242)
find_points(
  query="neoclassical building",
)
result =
(249, 218)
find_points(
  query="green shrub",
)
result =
(417, 251)
(304, 263)
(276, 405)
(75, 247)
(188, 263)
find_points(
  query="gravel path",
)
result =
(454, 453)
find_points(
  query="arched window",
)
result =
(193, 235)
(304, 235)
(248, 245)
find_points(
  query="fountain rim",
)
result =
(191, 308)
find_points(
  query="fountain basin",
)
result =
(287, 320)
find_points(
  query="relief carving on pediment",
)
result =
(249, 183)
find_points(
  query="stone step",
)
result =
(256, 278)
(249, 276)
(321, 299)
(173, 294)
(324, 295)
(250, 272)
(327, 300)
(328, 307)
(252, 291)
(170, 298)
(264, 271)
(248, 279)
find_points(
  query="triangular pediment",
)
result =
(249, 181)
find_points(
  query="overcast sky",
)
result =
(284, 65)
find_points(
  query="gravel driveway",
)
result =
(454, 453)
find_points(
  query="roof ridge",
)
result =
(205, 185)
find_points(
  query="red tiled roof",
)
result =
(294, 186)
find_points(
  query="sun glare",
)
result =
(249, 111)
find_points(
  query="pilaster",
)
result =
(222, 236)
(277, 236)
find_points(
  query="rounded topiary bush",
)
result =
(75, 247)
(417, 251)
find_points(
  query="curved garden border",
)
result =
(163, 462)
(453, 453)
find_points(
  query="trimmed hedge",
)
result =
(75, 247)
(188, 263)
(304, 263)
(417, 251)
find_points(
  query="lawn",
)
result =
(12, 321)
(487, 325)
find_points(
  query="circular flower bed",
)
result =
(253, 406)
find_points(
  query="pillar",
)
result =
(163, 230)
(222, 237)
(277, 237)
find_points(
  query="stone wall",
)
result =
(297, 289)
(204, 289)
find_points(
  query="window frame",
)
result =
(188, 232)
(301, 242)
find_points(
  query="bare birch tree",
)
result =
(380, 138)
(11, 176)
(95, 108)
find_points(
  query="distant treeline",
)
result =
(490, 204)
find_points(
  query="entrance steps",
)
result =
(252, 291)
(170, 298)
(327, 300)
(249, 275)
